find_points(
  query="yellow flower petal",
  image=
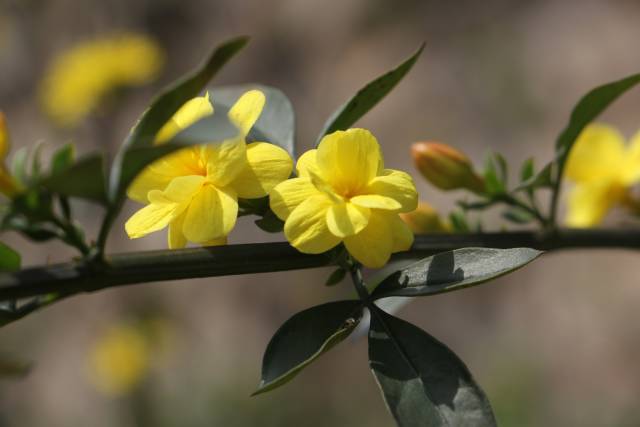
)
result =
(192, 111)
(348, 160)
(160, 173)
(396, 185)
(306, 162)
(631, 167)
(289, 194)
(268, 165)
(153, 217)
(225, 160)
(589, 203)
(598, 154)
(347, 219)
(211, 214)
(306, 228)
(246, 110)
(402, 234)
(181, 189)
(373, 245)
(175, 236)
(376, 201)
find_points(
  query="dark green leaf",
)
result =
(423, 382)
(503, 168)
(367, 97)
(9, 259)
(62, 158)
(454, 270)
(159, 113)
(84, 179)
(276, 124)
(518, 216)
(336, 277)
(305, 337)
(586, 110)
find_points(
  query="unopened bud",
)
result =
(8, 185)
(4, 138)
(445, 167)
(425, 220)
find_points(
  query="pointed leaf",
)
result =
(9, 259)
(422, 381)
(367, 97)
(85, 179)
(454, 270)
(587, 109)
(305, 337)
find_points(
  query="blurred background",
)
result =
(555, 344)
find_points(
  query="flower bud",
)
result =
(425, 220)
(445, 167)
(8, 185)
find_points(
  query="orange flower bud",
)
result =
(445, 167)
(424, 220)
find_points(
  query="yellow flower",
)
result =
(120, 360)
(603, 170)
(343, 193)
(8, 185)
(425, 220)
(195, 190)
(78, 79)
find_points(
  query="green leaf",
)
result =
(19, 164)
(336, 277)
(459, 222)
(518, 216)
(493, 181)
(586, 110)
(9, 259)
(276, 124)
(62, 158)
(454, 270)
(305, 337)
(527, 170)
(540, 180)
(423, 382)
(161, 110)
(367, 97)
(85, 179)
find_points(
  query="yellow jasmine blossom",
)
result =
(344, 194)
(425, 220)
(120, 360)
(78, 80)
(8, 185)
(195, 190)
(603, 170)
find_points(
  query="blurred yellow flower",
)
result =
(425, 220)
(78, 80)
(120, 360)
(603, 170)
(343, 193)
(8, 185)
(195, 190)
